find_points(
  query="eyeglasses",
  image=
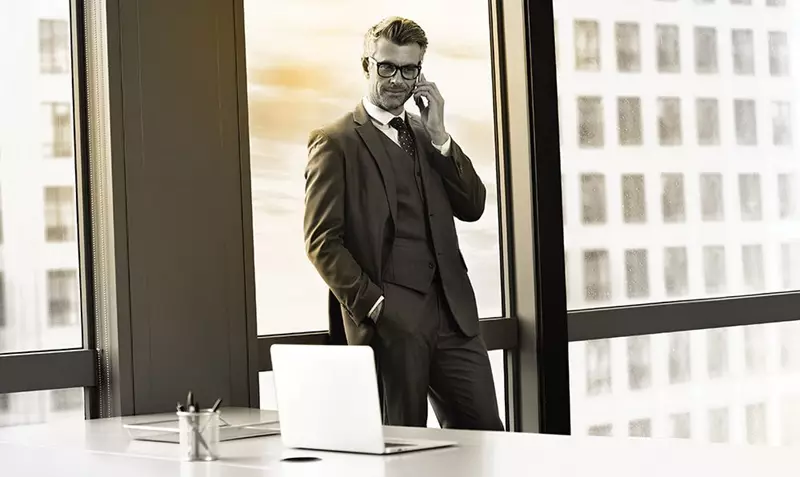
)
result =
(387, 69)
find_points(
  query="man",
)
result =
(382, 190)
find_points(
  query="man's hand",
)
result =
(432, 114)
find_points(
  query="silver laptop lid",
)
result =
(327, 397)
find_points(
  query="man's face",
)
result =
(393, 92)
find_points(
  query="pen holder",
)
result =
(199, 435)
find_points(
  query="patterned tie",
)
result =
(404, 136)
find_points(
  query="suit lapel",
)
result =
(369, 134)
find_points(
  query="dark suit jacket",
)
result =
(350, 206)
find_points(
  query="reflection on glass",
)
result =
(39, 285)
(37, 407)
(293, 89)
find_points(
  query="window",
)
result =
(57, 130)
(636, 273)
(593, 193)
(789, 334)
(743, 52)
(714, 269)
(756, 417)
(787, 206)
(38, 407)
(755, 358)
(639, 370)
(718, 425)
(753, 268)
(598, 367)
(668, 48)
(597, 275)
(587, 45)
(707, 122)
(2, 300)
(629, 58)
(790, 265)
(680, 370)
(745, 117)
(776, 3)
(60, 214)
(672, 198)
(750, 196)
(712, 201)
(590, 125)
(778, 53)
(742, 2)
(5, 403)
(292, 90)
(640, 428)
(64, 400)
(604, 430)
(705, 50)
(629, 120)
(676, 271)
(717, 345)
(62, 293)
(634, 204)
(54, 49)
(681, 425)
(781, 123)
(669, 121)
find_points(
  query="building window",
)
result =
(776, 3)
(753, 268)
(634, 204)
(598, 367)
(596, 275)
(681, 425)
(756, 422)
(629, 58)
(745, 116)
(636, 273)
(743, 52)
(639, 368)
(593, 195)
(2, 300)
(62, 297)
(741, 2)
(707, 121)
(789, 336)
(787, 207)
(755, 353)
(587, 45)
(778, 53)
(669, 121)
(668, 48)
(714, 268)
(676, 271)
(673, 205)
(57, 130)
(5, 403)
(750, 196)
(705, 50)
(64, 400)
(790, 265)
(59, 209)
(639, 428)
(680, 370)
(54, 50)
(590, 122)
(781, 123)
(603, 430)
(717, 345)
(629, 118)
(718, 431)
(711, 197)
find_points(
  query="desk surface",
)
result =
(103, 447)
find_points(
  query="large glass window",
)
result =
(292, 89)
(39, 286)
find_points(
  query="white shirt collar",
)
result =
(379, 114)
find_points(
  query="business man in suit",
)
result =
(382, 190)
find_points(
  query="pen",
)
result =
(216, 405)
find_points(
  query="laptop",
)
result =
(327, 397)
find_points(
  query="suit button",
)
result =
(430, 264)
(431, 215)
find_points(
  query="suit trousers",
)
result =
(427, 355)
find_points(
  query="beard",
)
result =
(390, 99)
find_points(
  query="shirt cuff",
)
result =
(375, 307)
(444, 149)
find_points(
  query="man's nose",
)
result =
(396, 78)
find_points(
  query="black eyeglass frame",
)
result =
(394, 68)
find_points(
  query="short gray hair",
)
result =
(398, 30)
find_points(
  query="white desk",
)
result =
(103, 448)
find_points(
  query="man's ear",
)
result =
(365, 65)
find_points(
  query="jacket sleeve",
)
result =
(464, 187)
(324, 228)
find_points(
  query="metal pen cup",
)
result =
(199, 435)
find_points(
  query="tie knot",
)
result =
(398, 124)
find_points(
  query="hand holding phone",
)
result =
(432, 113)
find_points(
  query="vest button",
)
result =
(430, 264)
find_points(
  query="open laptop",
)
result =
(327, 398)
